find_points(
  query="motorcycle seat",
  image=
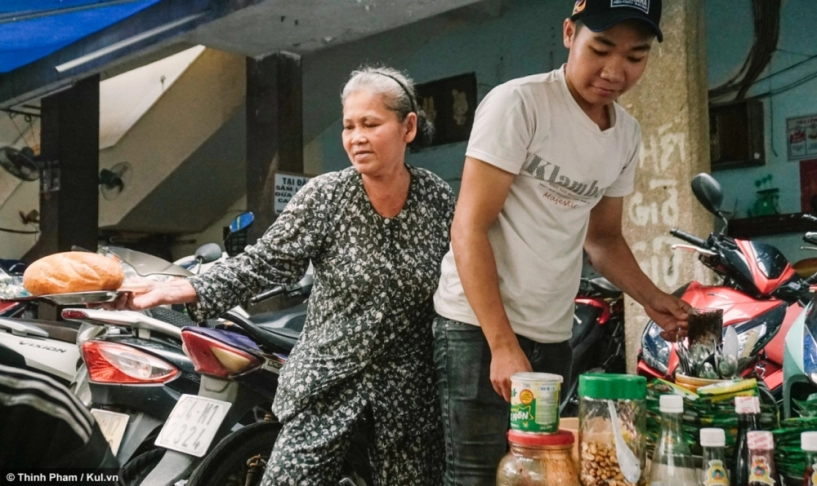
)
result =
(605, 287)
(292, 319)
(170, 316)
(280, 337)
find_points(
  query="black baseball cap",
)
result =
(599, 15)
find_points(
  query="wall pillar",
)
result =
(670, 102)
(69, 215)
(274, 131)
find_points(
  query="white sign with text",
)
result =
(285, 188)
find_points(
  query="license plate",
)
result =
(113, 426)
(192, 424)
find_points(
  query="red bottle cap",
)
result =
(745, 405)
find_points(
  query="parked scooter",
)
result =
(800, 360)
(26, 342)
(51, 346)
(13, 308)
(760, 295)
(135, 369)
(47, 346)
(248, 399)
(241, 456)
(598, 336)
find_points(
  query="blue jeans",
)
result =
(475, 417)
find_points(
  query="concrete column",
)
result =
(274, 140)
(670, 102)
(69, 211)
(274, 131)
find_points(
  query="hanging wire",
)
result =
(789, 86)
(20, 232)
(766, 14)
(788, 68)
(771, 114)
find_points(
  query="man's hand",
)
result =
(505, 363)
(670, 313)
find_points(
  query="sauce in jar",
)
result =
(538, 460)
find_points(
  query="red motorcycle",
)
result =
(761, 296)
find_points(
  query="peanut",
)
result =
(599, 466)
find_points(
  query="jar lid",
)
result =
(671, 404)
(610, 386)
(808, 441)
(712, 437)
(560, 438)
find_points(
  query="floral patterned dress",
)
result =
(365, 354)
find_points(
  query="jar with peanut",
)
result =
(598, 458)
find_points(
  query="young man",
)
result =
(549, 160)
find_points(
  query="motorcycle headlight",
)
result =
(655, 349)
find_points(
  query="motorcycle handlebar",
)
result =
(269, 293)
(688, 237)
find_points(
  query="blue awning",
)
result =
(32, 29)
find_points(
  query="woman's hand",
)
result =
(670, 313)
(148, 294)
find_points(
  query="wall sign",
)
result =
(450, 104)
(286, 185)
(802, 137)
(808, 186)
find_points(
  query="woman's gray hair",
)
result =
(398, 94)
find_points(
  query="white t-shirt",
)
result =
(565, 163)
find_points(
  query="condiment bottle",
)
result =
(748, 410)
(808, 442)
(761, 456)
(672, 461)
(714, 473)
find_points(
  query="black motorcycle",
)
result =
(597, 339)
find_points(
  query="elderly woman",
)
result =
(375, 233)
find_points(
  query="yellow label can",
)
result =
(535, 402)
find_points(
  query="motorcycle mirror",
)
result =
(242, 221)
(708, 192)
(810, 237)
(208, 253)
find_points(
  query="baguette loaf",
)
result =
(72, 271)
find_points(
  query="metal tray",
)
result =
(78, 298)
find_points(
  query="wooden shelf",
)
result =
(769, 225)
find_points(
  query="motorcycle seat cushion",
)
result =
(287, 320)
(605, 287)
(280, 337)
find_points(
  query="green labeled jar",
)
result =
(597, 441)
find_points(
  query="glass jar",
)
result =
(597, 441)
(538, 460)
